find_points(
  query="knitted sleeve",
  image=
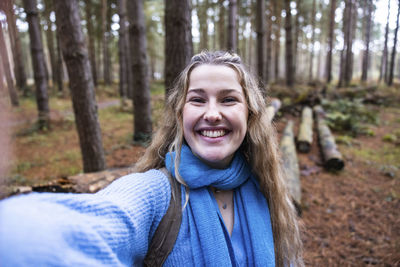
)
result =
(110, 228)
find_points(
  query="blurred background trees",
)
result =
(132, 43)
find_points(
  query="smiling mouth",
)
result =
(213, 134)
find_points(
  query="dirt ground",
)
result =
(350, 218)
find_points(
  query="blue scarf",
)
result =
(210, 241)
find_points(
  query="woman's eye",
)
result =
(229, 100)
(196, 100)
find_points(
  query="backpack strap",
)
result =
(167, 231)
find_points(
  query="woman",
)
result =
(217, 141)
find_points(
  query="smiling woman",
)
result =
(217, 141)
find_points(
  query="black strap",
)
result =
(167, 231)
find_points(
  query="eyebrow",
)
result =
(223, 91)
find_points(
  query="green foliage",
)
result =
(391, 138)
(350, 116)
(344, 139)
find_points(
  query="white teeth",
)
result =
(213, 133)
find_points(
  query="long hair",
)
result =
(259, 148)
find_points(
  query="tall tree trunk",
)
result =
(296, 37)
(38, 62)
(203, 21)
(81, 84)
(232, 28)
(141, 88)
(178, 39)
(50, 39)
(6, 67)
(123, 79)
(269, 46)
(90, 36)
(368, 26)
(19, 67)
(60, 69)
(383, 68)
(310, 72)
(124, 53)
(350, 31)
(106, 49)
(260, 30)
(221, 25)
(391, 70)
(330, 42)
(214, 34)
(289, 45)
(277, 13)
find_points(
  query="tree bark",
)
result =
(203, 20)
(273, 108)
(178, 39)
(221, 25)
(60, 69)
(81, 84)
(330, 42)
(289, 45)
(124, 65)
(260, 30)
(277, 13)
(383, 68)
(232, 28)
(268, 62)
(391, 70)
(310, 74)
(19, 69)
(50, 40)
(106, 49)
(90, 37)
(296, 38)
(38, 62)
(332, 157)
(291, 164)
(305, 136)
(352, 19)
(6, 68)
(368, 26)
(141, 88)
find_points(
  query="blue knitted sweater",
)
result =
(110, 228)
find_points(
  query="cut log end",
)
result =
(303, 147)
(334, 164)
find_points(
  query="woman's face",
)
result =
(215, 114)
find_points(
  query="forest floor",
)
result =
(350, 218)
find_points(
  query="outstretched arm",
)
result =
(112, 227)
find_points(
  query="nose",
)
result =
(212, 113)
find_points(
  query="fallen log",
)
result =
(93, 182)
(333, 159)
(305, 136)
(291, 165)
(273, 108)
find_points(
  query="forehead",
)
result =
(214, 76)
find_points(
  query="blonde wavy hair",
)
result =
(259, 147)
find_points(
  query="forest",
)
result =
(83, 85)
